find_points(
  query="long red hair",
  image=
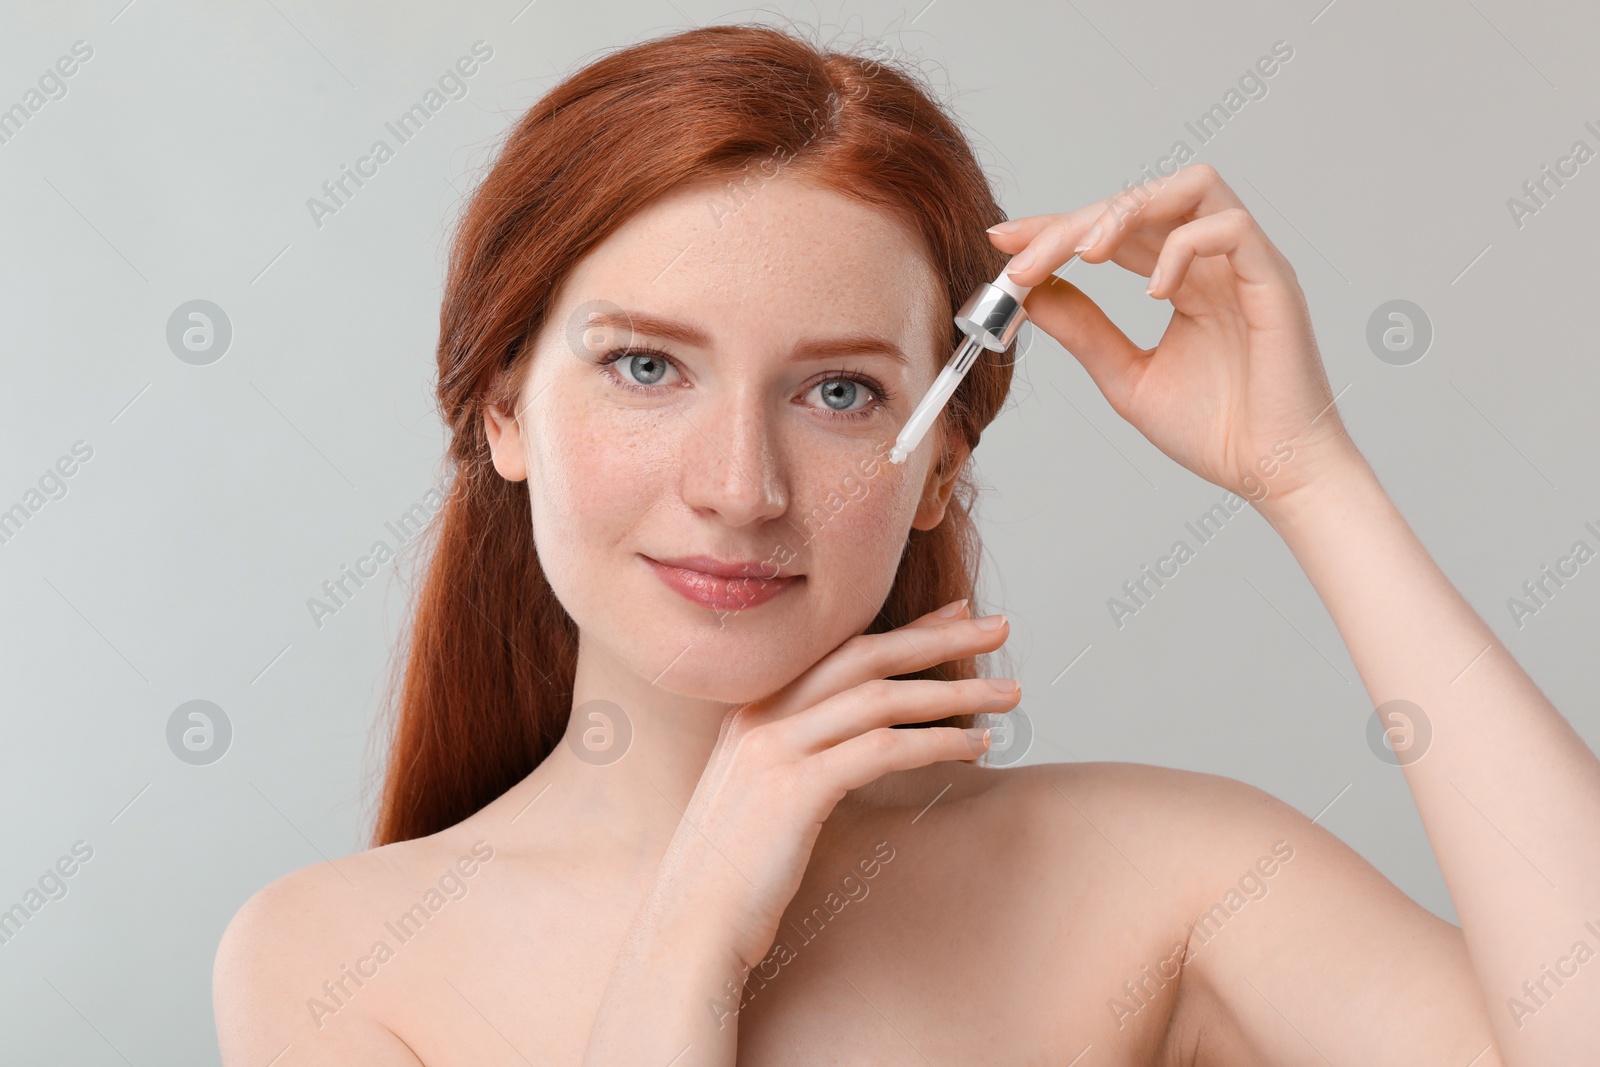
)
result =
(488, 667)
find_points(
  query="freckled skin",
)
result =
(1030, 915)
(735, 447)
(995, 883)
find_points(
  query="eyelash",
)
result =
(879, 393)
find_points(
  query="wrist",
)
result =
(699, 898)
(1335, 483)
(675, 984)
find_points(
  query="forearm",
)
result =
(673, 996)
(1507, 790)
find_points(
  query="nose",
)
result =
(730, 462)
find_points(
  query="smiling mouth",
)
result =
(721, 586)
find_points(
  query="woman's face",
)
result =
(718, 384)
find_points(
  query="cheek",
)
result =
(853, 514)
(592, 477)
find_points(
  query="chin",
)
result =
(735, 660)
(732, 657)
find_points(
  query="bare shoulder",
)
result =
(1248, 875)
(292, 938)
(1173, 818)
(1198, 837)
(1206, 831)
(1180, 821)
(1107, 866)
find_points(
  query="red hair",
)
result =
(488, 668)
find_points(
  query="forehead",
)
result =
(756, 257)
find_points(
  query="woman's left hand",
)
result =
(1235, 391)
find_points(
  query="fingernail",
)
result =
(1021, 261)
(979, 735)
(1004, 227)
(950, 611)
(991, 622)
(1003, 685)
(1088, 241)
(1155, 280)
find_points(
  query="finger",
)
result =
(1194, 191)
(1232, 232)
(1014, 235)
(1101, 231)
(956, 609)
(870, 756)
(1048, 237)
(882, 702)
(1137, 252)
(807, 689)
(1066, 313)
(901, 651)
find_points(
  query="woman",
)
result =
(685, 776)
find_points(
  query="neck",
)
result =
(633, 754)
(629, 761)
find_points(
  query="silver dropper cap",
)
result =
(991, 316)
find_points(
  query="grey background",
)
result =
(178, 564)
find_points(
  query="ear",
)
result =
(505, 443)
(941, 483)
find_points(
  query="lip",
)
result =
(721, 585)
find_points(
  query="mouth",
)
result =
(722, 585)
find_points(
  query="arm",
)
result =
(676, 987)
(1299, 953)
(1508, 792)
(1235, 392)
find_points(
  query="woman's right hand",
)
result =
(779, 767)
(783, 763)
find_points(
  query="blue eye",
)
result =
(840, 393)
(840, 389)
(643, 368)
(848, 396)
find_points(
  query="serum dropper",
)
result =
(990, 318)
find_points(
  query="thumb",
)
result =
(1066, 313)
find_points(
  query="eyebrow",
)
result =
(859, 344)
